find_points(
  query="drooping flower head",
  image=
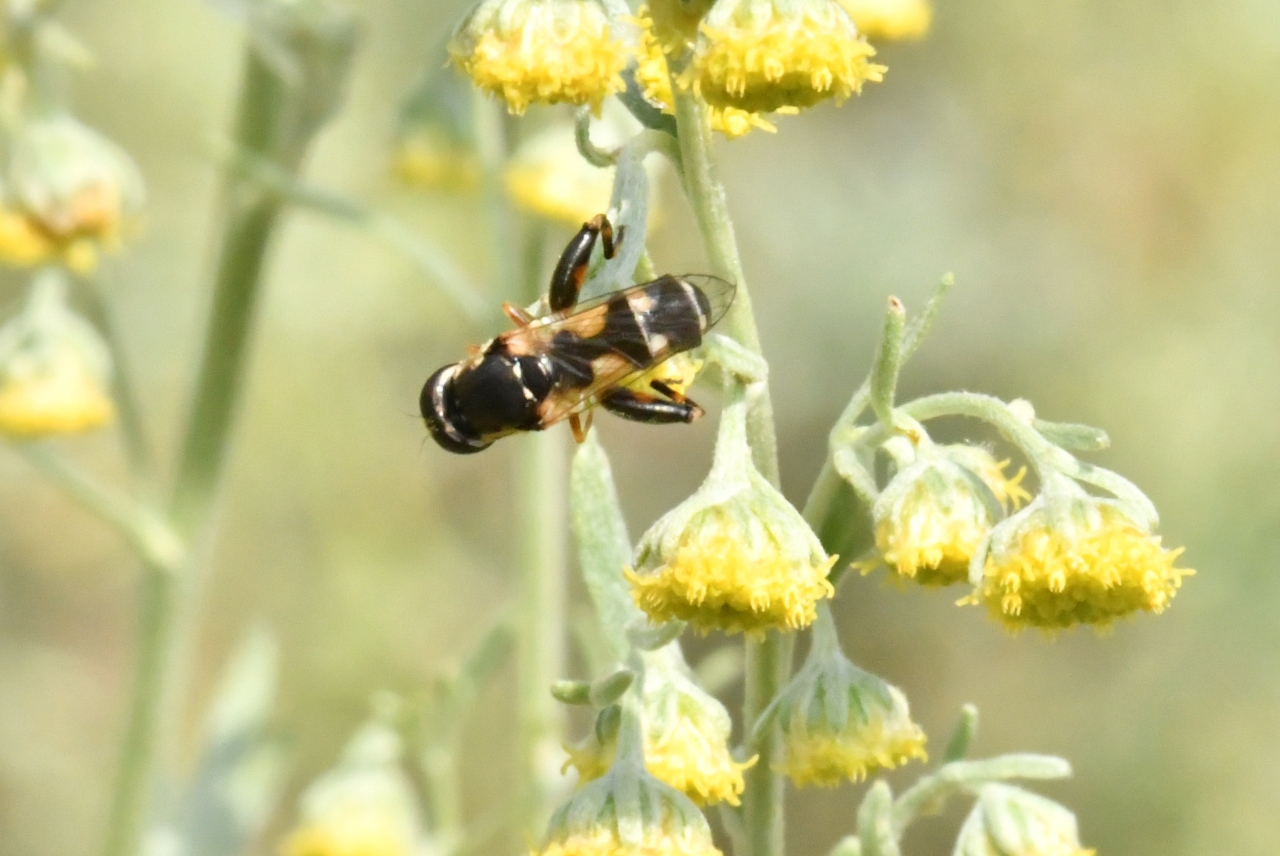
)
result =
(547, 175)
(764, 55)
(1070, 558)
(628, 812)
(890, 20)
(53, 368)
(545, 51)
(67, 192)
(365, 806)
(840, 723)
(735, 556)
(653, 73)
(434, 146)
(937, 510)
(1010, 821)
(685, 732)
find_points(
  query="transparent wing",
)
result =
(598, 344)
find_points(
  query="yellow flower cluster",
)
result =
(64, 396)
(716, 581)
(68, 193)
(758, 57)
(654, 74)
(431, 161)
(604, 841)
(890, 20)
(686, 756)
(543, 51)
(827, 758)
(684, 732)
(1106, 569)
(362, 831)
(934, 515)
(53, 367)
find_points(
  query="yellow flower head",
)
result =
(547, 176)
(67, 191)
(432, 161)
(1009, 821)
(628, 812)
(932, 517)
(840, 723)
(653, 73)
(1008, 490)
(544, 51)
(685, 732)
(890, 20)
(1074, 559)
(435, 148)
(765, 55)
(53, 368)
(365, 806)
(735, 556)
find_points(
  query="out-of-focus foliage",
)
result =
(1104, 179)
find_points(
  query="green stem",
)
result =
(540, 492)
(277, 118)
(768, 660)
(541, 476)
(145, 529)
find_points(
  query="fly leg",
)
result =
(580, 423)
(517, 315)
(678, 397)
(651, 409)
(571, 269)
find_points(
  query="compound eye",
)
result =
(447, 427)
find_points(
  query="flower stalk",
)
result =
(279, 112)
(768, 660)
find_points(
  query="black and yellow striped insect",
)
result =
(603, 352)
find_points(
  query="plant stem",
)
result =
(541, 479)
(278, 115)
(768, 661)
(540, 491)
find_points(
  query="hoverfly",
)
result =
(578, 357)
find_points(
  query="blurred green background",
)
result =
(1102, 175)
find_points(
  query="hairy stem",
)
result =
(278, 115)
(768, 661)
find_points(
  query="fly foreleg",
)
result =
(571, 269)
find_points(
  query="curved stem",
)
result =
(768, 660)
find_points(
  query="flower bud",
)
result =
(736, 555)
(764, 55)
(1070, 558)
(365, 805)
(53, 368)
(685, 733)
(627, 812)
(890, 20)
(67, 191)
(1009, 821)
(544, 51)
(839, 722)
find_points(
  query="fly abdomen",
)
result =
(669, 315)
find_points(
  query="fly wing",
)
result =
(604, 342)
